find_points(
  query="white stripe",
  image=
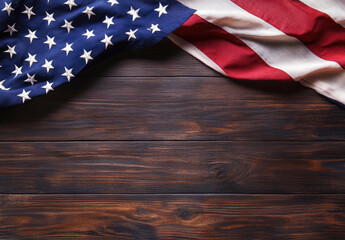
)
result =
(331, 85)
(275, 47)
(334, 8)
(194, 51)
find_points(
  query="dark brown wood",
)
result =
(164, 59)
(172, 217)
(172, 167)
(212, 108)
(125, 127)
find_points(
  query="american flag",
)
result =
(47, 43)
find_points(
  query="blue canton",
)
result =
(46, 43)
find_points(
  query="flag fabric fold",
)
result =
(44, 44)
(301, 40)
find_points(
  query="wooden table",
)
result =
(155, 145)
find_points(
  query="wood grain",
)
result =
(169, 108)
(155, 145)
(172, 216)
(172, 167)
(164, 59)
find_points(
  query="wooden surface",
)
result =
(155, 145)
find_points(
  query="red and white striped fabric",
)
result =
(283, 40)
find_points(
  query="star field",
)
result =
(47, 43)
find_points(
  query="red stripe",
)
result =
(226, 50)
(318, 31)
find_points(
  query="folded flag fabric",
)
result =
(295, 40)
(45, 43)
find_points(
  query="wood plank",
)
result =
(172, 216)
(193, 108)
(172, 167)
(163, 59)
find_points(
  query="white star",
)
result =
(68, 74)
(31, 35)
(31, 59)
(154, 28)
(50, 41)
(24, 95)
(11, 29)
(11, 50)
(48, 65)
(87, 56)
(131, 34)
(89, 34)
(48, 87)
(89, 11)
(134, 13)
(31, 79)
(161, 10)
(68, 48)
(107, 40)
(49, 18)
(71, 4)
(108, 21)
(17, 70)
(2, 86)
(28, 11)
(8, 8)
(68, 25)
(112, 2)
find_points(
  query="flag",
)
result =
(46, 43)
(285, 40)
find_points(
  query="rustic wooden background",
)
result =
(155, 145)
